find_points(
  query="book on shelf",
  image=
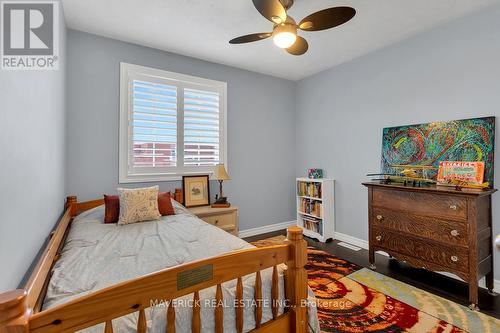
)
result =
(310, 206)
(309, 189)
(313, 224)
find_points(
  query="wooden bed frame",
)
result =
(20, 310)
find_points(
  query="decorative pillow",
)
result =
(137, 205)
(111, 208)
(165, 204)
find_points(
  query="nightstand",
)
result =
(224, 218)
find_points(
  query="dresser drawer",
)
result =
(418, 203)
(225, 221)
(453, 257)
(449, 232)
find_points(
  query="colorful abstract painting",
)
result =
(427, 144)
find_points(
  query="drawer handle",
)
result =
(454, 207)
(378, 238)
(454, 258)
(379, 217)
(216, 221)
(454, 233)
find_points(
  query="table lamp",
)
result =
(221, 175)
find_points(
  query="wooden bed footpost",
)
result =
(71, 202)
(296, 280)
(14, 312)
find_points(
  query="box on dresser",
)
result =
(435, 228)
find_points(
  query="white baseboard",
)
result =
(351, 240)
(364, 244)
(266, 229)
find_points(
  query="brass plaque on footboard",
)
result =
(194, 276)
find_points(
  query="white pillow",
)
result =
(137, 205)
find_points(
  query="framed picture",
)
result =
(196, 191)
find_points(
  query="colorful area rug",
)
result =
(355, 299)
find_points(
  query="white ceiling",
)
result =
(202, 28)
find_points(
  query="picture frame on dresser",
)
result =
(196, 190)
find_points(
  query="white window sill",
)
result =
(129, 179)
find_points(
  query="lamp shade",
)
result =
(220, 173)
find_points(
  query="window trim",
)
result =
(130, 71)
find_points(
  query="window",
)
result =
(170, 124)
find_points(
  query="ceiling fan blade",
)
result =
(272, 10)
(327, 18)
(299, 47)
(250, 38)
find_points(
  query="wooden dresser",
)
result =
(435, 228)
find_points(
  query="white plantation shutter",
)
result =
(154, 125)
(201, 127)
(170, 124)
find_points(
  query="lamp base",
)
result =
(220, 205)
(220, 201)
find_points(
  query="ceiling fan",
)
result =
(285, 28)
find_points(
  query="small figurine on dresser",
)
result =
(220, 174)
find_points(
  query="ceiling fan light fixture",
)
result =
(285, 28)
(284, 35)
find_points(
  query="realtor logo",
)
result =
(30, 35)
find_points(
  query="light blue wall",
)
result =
(451, 72)
(261, 126)
(32, 163)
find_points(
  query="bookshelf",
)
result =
(315, 207)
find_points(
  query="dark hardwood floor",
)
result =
(446, 287)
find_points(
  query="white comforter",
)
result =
(98, 255)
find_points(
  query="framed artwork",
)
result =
(468, 140)
(196, 191)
